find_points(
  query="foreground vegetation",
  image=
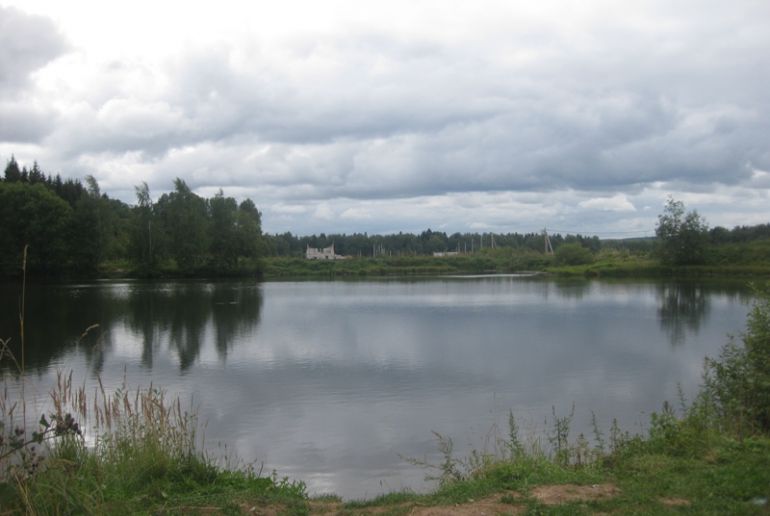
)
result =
(137, 452)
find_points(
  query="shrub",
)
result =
(573, 254)
(737, 384)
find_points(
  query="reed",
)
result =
(118, 451)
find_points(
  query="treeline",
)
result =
(71, 227)
(426, 243)
(429, 242)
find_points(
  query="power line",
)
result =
(589, 232)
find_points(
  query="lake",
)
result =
(336, 382)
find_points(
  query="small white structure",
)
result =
(327, 253)
(438, 254)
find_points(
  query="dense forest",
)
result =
(71, 227)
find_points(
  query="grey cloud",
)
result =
(317, 106)
(27, 42)
(432, 130)
(672, 95)
(23, 123)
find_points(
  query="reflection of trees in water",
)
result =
(181, 313)
(56, 320)
(235, 309)
(173, 312)
(564, 288)
(176, 314)
(681, 307)
(572, 289)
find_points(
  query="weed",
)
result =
(515, 448)
(559, 438)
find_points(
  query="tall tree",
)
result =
(12, 172)
(145, 237)
(682, 236)
(34, 216)
(87, 232)
(224, 242)
(249, 230)
(184, 221)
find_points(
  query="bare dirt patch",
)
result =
(509, 503)
(491, 506)
(565, 493)
(675, 502)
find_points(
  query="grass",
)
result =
(711, 474)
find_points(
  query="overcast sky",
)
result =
(387, 116)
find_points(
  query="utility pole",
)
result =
(548, 246)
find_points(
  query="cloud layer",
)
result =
(406, 117)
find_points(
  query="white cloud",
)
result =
(618, 202)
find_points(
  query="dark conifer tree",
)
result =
(12, 172)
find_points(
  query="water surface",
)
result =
(334, 383)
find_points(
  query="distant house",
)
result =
(445, 253)
(327, 253)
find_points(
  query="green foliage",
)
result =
(737, 384)
(573, 254)
(683, 237)
(145, 236)
(184, 222)
(72, 228)
(34, 216)
(224, 243)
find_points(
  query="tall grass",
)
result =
(117, 452)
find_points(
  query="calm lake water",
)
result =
(334, 383)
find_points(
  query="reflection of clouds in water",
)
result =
(438, 363)
(331, 382)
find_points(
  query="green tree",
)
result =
(183, 217)
(145, 236)
(249, 230)
(87, 233)
(682, 236)
(34, 216)
(12, 172)
(224, 241)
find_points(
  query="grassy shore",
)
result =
(145, 461)
(605, 265)
(480, 263)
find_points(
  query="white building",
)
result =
(327, 253)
